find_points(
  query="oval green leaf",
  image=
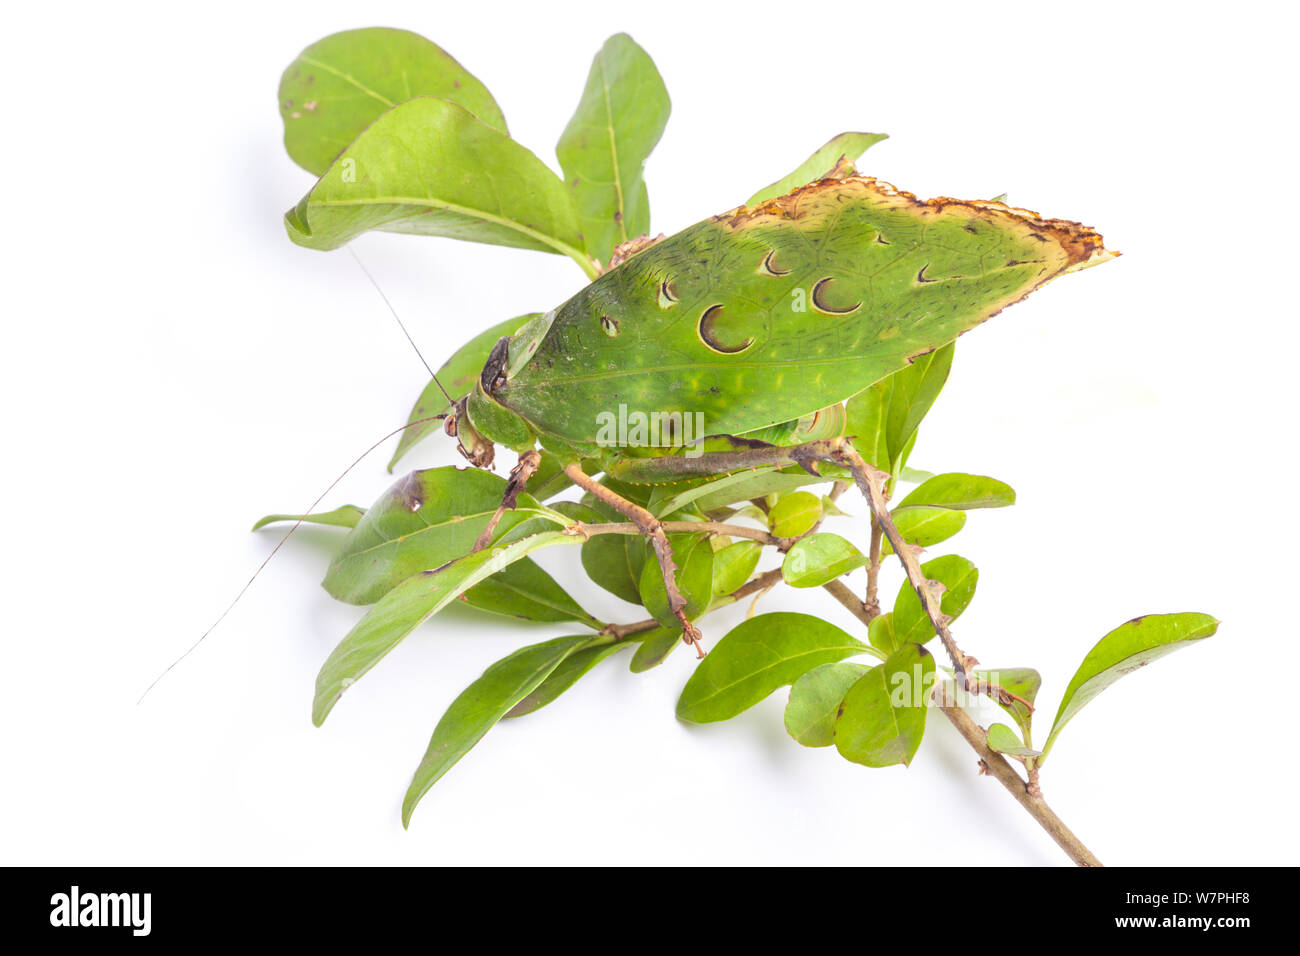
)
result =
(1130, 646)
(819, 559)
(882, 718)
(733, 565)
(924, 526)
(961, 491)
(815, 700)
(339, 85)
(694, 557)
(431, 168)
(570, 670)
(481, 705)
(620, 117)
(959, 577)
(757, 657)
(423, 521)
(408, 605)
(794, 514)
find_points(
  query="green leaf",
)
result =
(481, 705)
(751, 483)
(733, 565)
(755, 658)
(880, 633)
(458, 376)
(1023, 682)
(622, 113)
(339, 85)
(924, 526)
(524, 590)
(959, 576)
(694, 557)
(961, 491)
(1130, 646)
(815, 702)
(882, 718)
(431, 168)
(655, 647)
(883, 419)
(1003, 739)
(571, 669)
(819, 559)
(408, 605)
(346, 516)
(423, 521)
(848, 145)
(794, 514)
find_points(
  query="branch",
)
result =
(991, 761)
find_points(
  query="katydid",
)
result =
(757, 323)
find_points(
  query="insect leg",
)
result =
(652, 528)
(519, 475)
(871, 482)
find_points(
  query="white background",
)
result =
(174, 368)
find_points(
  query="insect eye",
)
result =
(609, 325)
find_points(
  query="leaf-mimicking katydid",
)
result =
(757, 323)
(696, 382)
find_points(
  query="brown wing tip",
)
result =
(1083, 244)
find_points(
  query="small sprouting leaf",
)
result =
(755, 658)
(339, 85)
(914, 476)
(819, 559)
(346, 516)
(794, 514)
(524, 590)
(883, 419)
(880, 633)
(815, 702)
(621, 115)
(1130, 646)
(832, 510)
(1003, 739)
(655, 647)
(924, 526)
(847, 145)
(733, 565)
(694, 557)
(431, 168)
(571, 669)
(961, 491)
(481, 705)
(958, 576)
(457, 375)
(408, 605)
(1024, 682)
(882, 718)
(423, 521)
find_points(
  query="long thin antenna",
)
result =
(296, 525)
(401, 325)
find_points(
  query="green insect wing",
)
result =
(762, 316)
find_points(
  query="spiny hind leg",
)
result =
(653, 530)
